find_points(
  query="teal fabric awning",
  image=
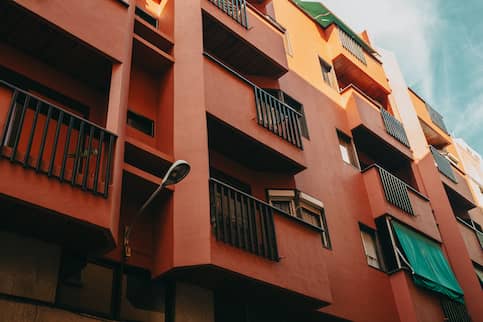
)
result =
(431, 269)
(325, 18)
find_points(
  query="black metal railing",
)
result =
(278, 117)
(454, 311)
(236, 9)
(443, 164)
(396, 191)
(394, 127)
(352, 46)
(58, 143)
(436, 118)
(242, 221)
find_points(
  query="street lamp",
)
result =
(177, 172)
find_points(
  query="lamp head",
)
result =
(177, 172)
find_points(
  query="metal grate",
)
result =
(242, 221)
(278, 117)
(436, 118)
(444, 166)
(396, 191)
(55, 142)
(454, 311)
(236, 9)
(394, 127)
(352, 46)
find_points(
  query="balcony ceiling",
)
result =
(35, 37)
(26, 219)
(219, 41)
(247, 151)
(348, 73)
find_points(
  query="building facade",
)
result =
(321, 188)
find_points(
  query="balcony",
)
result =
(78, 18)
(453, 178)
(353, 64)
(253, 242)
(431, 122)
(366, 115)
(243, 38)
(57, 143)
(389, 195)
(242, 221)
(473, 241)
(54, 162)
(259, 121)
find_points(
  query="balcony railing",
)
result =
(278, 117)
(396, 191)
(242, 221)
(273, 114)
(352, 46)
(236, 9)
(57, 143)
(394, 127)
(436, 118)
(444, 166)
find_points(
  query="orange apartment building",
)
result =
(321, 187)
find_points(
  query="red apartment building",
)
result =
(321, 187)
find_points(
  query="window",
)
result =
(288, 44)
(302, 206)
(328, 73)
(140, 123)
(479, 273)
(296, 105)
(370, 246)
(146, 17)
(347, 149)
(104, 289)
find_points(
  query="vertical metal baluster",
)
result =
(252, 244)
(13, 102)
(60, 120)
(89, 150)
(108, 166)
(32, 134)
(258, 107)
(66, 148)
(44, 139)
(19, 131)
(78, 152)
(98, 161)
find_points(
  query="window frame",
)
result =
(351, 149)
(131, 115)
(374, 238)
(300, 200)
(328, 74)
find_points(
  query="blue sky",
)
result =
(439, 46)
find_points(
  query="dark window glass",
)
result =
(140, 123)
(147, 17)
(85, 286)
(327, 73)
(141, 298)
(229, 180)
(284, 205)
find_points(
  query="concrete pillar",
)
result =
(116, 120)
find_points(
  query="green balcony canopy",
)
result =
(325, 18)
(431, 269)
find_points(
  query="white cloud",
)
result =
(402, 26)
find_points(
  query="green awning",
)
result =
(325, 18)
(430, 268)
